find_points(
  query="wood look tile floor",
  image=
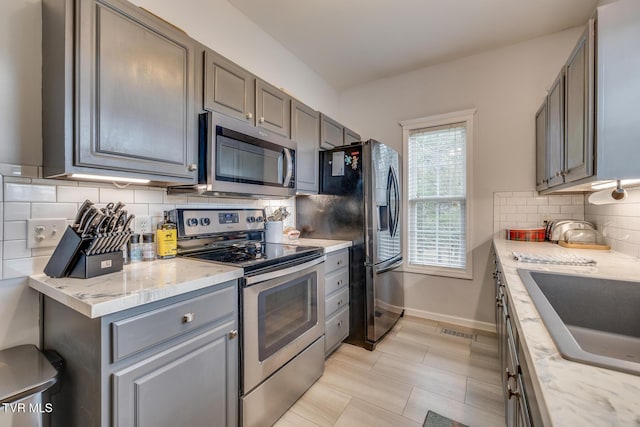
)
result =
(414, 369)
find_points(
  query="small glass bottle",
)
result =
(148, 247)
(134, 248)
(167, 235)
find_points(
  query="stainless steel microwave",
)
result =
(239, 159)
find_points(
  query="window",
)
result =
(437, 194)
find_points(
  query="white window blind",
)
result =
(437, 196)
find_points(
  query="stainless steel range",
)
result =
(281, 305)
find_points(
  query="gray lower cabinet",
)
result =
(336, 286)
(119, 92)
(273, 109)
(305, 130)
(520, 404)
(228, 88)
(331, 133)
(169, 363)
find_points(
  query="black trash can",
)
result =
(25, 374)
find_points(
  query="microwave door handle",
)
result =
(287, 177)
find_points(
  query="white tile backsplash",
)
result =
(15, 211)
(54, 210)
(619, 222)
(77, 194)
(14, 192)
(45, 198)
(528, 209)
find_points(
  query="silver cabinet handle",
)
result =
(340, 302)
(192, 167)
(233, 334)
(339, 282)
(339, 262)
(511, 393)
(188, 317)
(261, 119)
(508, 374)
(340, 324)
(249, 116)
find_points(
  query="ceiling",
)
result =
(351, 42)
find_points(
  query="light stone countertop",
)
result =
(138, 283)
(328, 245)
(574, 394)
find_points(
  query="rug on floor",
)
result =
(433, 419)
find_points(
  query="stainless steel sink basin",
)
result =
(593, 321)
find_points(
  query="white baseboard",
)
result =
(454, 320)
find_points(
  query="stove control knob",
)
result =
(259, 219)
(205, 221)
(251, 219)
(192, 222)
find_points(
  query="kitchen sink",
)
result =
(593, 321)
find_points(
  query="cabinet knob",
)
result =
(192, 167)
(261, 120)
(339, 282)
(188, 318)
(233, 334)
(249, 116)
(340, 324)
(339, 262)
(508, 374)
(340, 302)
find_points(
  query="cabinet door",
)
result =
(541, 147)
(579, 109)
(228, 88)
(191, 384)
(331, 133)
(273, 109)
(350, 136)
(135, 92)
(555, 126)
(305, 130)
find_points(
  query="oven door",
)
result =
(283, 313)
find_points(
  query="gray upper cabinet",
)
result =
(541, 148)
(350, 136)
(273, 109)
(305, 130)
(590, 106)
(331, 133)
(555, 131)
(579, 109)
(228, 88)
(122, 97)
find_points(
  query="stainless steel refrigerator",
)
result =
(360, 200)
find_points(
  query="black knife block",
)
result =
(69, 259)
(89, 266)
(66, 253)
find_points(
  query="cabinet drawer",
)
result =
(145, 330)
(336, 302)
(336, 280)
(336, 260)
(336, 329)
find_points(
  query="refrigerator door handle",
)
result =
(392, 186)
(393, 266)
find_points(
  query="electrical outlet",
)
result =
(142, 224)
(45, 232)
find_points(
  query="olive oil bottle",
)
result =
(167, 238)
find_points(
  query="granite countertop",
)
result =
(137, 284)
(573, 393)
(328, 245)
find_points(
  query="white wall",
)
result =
(506, 86)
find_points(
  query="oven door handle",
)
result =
(251, 280)
(289, 159)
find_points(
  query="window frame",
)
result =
(463, 116)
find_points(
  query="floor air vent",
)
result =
(455, 333)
